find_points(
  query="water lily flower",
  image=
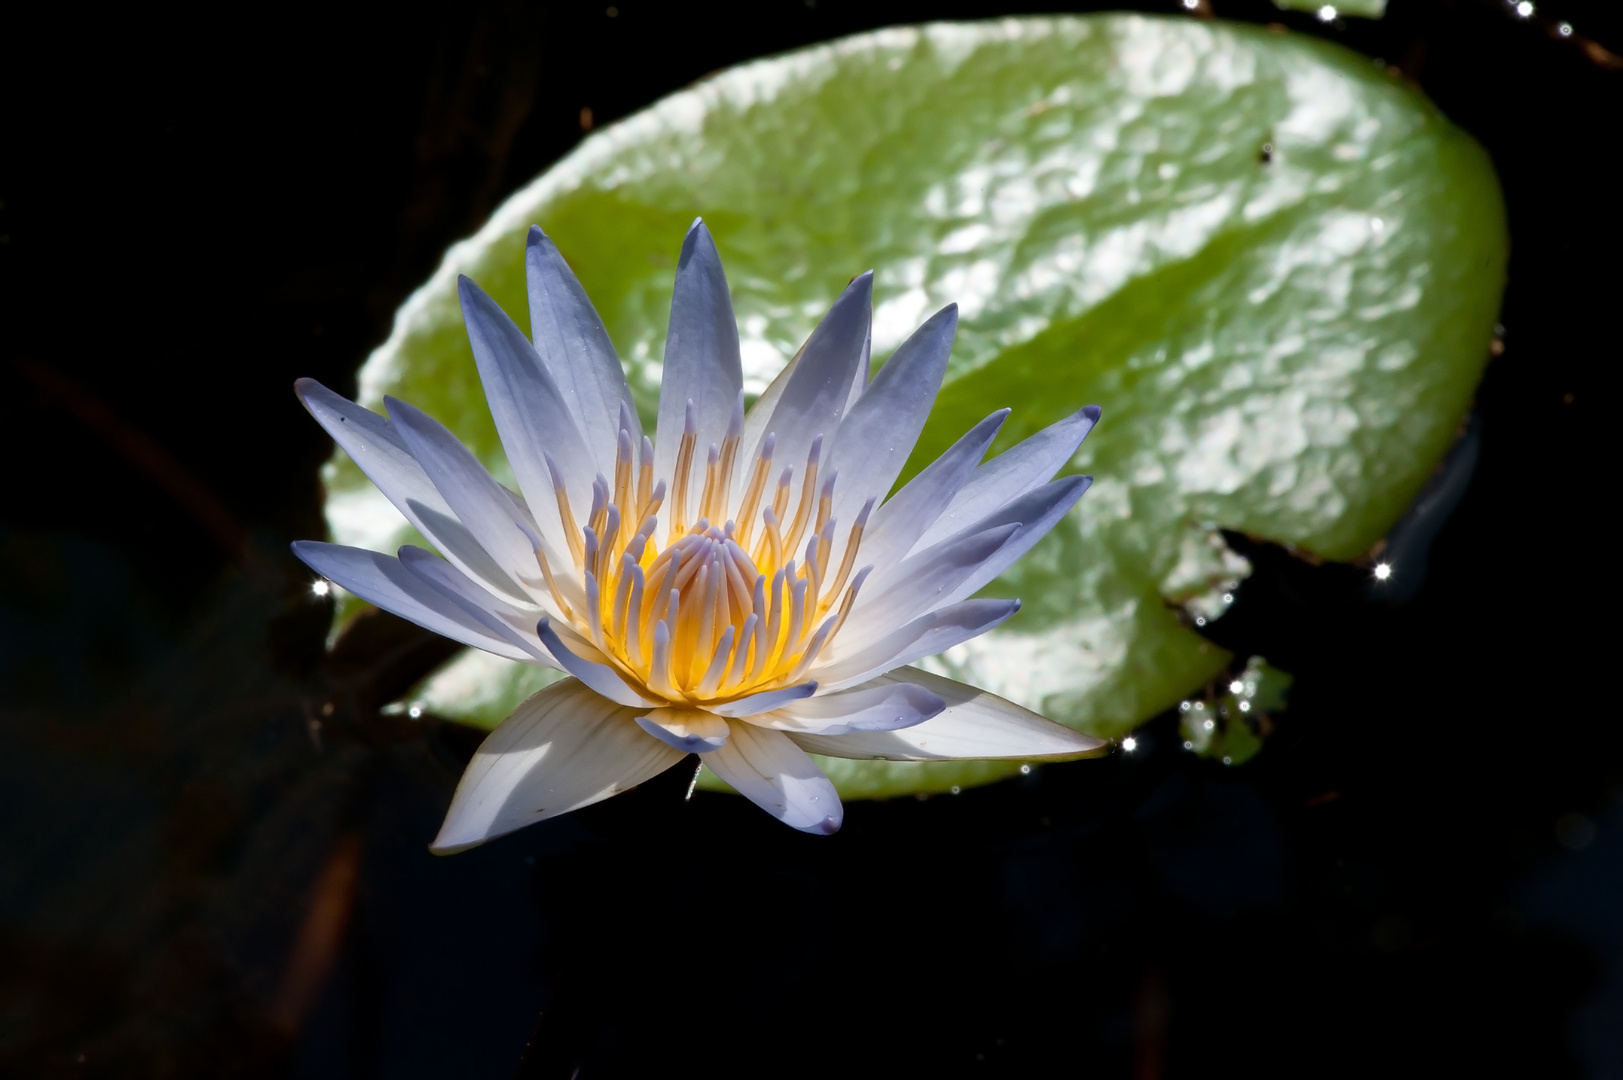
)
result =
(737, 586)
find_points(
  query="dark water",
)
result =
(214, 846)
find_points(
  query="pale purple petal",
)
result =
(921, 583)
(569, 337)
(1037, 513)
(691, 731)
(874, 706)
(974, 724)
(765, 701)
(701, 355)
(502, 619)
(381, 579)
(531, 413)
(924, 636)
(382, 454)
(814, 395)
(563, 749)
(776, 775)
(879, 432)
(602, 678)
(1013, 473)
(896, 526)
(486, 508)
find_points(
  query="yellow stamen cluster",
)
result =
(719, 613)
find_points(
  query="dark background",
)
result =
(213, 858)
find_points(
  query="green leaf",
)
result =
(1276, 268)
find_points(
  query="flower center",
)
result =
(721, 611)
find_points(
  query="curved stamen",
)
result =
(808, 492)
(757, 485)
(718, 664)
(560, 490)
(684, 471)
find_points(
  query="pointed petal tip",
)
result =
(304, 386)
(1091, 412)
(304, 549)
(697, 238)
(536, 236)
(452, 847)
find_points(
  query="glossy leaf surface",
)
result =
(1274, 266)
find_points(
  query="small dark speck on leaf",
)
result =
(1266, 154)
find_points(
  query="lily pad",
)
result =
(1275, 267)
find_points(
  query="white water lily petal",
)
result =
(532, 416)
(490, 513)
(974, 724)
(923, 582)
(563, 749)
(764, 702)
(504, 620)
(382, 454)
(1013, 473)
(880, 705)
(381, 579)
(692, 731)
(896, 526)
(1036, 513)
(773, 773)
(924, 636)
(602, 678)
(568, 335)
(815, 394)
(880, 430)
(701, 353)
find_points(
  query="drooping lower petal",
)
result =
(773, 773)
(563, 749)
(973, 724)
